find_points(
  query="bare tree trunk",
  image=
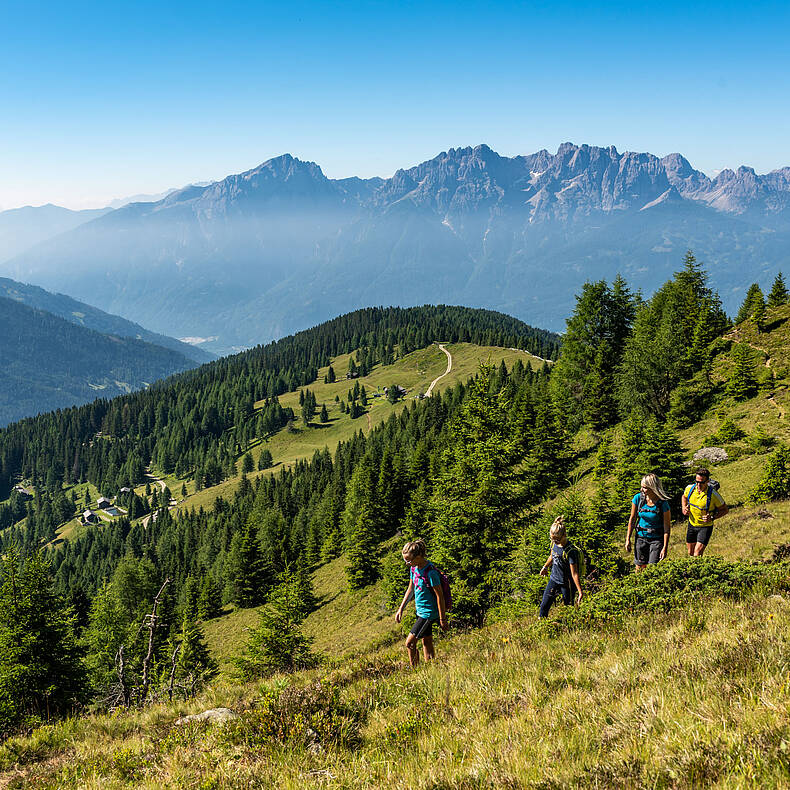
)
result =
(151, 621)
(173, 671)
(120, 663)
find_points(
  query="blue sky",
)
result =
(103, 100)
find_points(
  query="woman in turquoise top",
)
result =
(650, 516)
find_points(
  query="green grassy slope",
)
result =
(689, 699)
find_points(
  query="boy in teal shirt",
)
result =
(425, 586)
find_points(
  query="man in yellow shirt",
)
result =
(702, 504)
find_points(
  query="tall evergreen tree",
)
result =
(742, 383)
(250, 579)
(478, 497)
(778, 295)
(41, 667)
(660, 351)
(754, 297)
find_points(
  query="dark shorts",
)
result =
(699, 534)
(647, 551)
(422, 627)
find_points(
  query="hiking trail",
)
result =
(449, 368)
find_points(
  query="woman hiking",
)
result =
(650, 517)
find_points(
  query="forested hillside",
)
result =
(480, 472)
(49, 363)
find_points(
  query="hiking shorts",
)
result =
(699, 534)
(647, 551)
(422, 627)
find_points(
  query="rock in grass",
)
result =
(715, 455)
(214, 716)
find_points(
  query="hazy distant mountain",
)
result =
(92, 318)
(22, 228)
(49, 363)
(281, 246)
(148, 198)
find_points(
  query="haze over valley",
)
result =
(282, 247)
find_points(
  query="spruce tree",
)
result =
(250, 578)
(774, 481)
(742, 383)
(754, 297)
(478, 496)
(41, 666)
(209, 602)
(758, 316)
(247, 464)
(194, 664)
(277, 644)
(778, 295)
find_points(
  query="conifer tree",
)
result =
(194, 665)
(247, 464)
(250, 575)
(758, 315)
(324, 416)
(774, 481)
(41, 667)
(209, 603)
(742, 384)
(477, 498)
(778, 295)
(277, 644)
(754, 297)
(265, 459)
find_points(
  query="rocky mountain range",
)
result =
(280, 247)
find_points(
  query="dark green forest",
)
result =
(50, 363)
(469, 470)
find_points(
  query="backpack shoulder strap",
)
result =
(689, 491)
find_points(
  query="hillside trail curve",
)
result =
(446, 372)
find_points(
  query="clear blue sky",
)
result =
(101, 100)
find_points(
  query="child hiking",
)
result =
(703, 504)
(425, 586)
(564, 562)
(650, 516)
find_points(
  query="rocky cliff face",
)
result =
(281, 246)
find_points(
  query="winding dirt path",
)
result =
(438, 378)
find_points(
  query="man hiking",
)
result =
(703, 504)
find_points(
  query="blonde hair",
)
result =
(415, 548)
(557, 528)
(653, 482)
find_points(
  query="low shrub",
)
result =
(310, 716)
(669, 585)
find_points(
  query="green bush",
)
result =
(727, 432)
(774, 482)
(760, 440)
(309, 717)
(668, 585)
